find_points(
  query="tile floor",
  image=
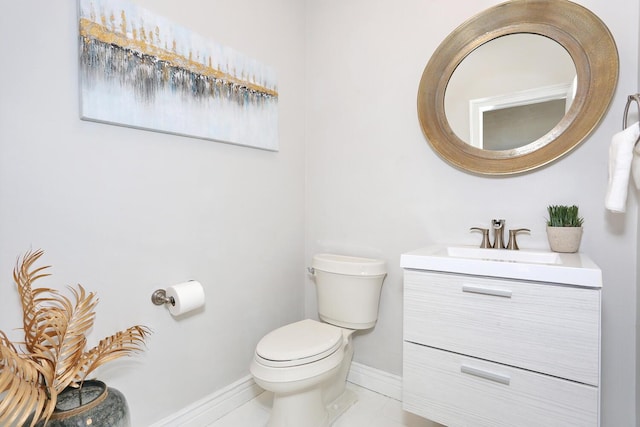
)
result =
(371, 410)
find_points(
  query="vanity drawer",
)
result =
(541, 327)
(457, 390)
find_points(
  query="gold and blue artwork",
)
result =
(140, 70)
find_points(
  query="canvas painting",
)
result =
(140, 70)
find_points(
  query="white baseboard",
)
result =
(221, 402)
(215, 406)
(376, 380)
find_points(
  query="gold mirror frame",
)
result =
(578, 30)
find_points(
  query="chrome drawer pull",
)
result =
(486, 291)
(491, 376)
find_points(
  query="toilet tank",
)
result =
(348, 289)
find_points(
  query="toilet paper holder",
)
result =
(159, 297)
(180, 298)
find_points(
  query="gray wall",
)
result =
(125, 211)
(638, 285)
(376, 188)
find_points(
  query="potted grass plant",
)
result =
(564, 228)
(53, 365)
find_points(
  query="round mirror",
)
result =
(510, 91)
(517, 86)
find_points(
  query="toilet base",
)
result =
(292, 410)
(341, 404)
(302, 409)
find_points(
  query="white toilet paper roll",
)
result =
(187, 296)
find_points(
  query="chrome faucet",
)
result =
(498, 233)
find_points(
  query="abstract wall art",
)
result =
(140, 70)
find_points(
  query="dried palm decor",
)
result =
(53, 355)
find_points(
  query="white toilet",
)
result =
(305, 364)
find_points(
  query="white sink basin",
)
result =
(536, 265)
(526, 256)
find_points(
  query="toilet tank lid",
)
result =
(349, 265)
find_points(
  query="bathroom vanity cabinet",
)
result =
(501, 351)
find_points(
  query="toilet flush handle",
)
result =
(311, 270)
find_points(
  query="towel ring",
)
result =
(631, 98)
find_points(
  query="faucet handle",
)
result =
(485, 236)
(513, 244)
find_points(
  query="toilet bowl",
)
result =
(305, 364)
(300, 363)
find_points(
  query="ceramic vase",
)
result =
(100, 406)
(564, 239)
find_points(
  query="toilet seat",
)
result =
(299, 343)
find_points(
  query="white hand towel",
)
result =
(635, 163)
(620, 159)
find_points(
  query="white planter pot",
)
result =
(564, 239)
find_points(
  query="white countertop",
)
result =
(536, 265)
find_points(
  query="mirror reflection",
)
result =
(510, 91)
